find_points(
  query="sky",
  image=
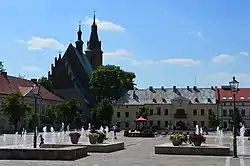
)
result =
(165, 43)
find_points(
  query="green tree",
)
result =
(110, 82)
(49, 116)
(102, 113)
(1, 67)
(142, 113)
(69, 113)
(213, 121)
(4, 122)
(46, 83)
(15, 108)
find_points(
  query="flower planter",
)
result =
(197, 143)
(74, 137)
(92, 140)
(176, 142)
(100, 140)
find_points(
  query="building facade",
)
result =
(71, 72)
(225, 102)
(178, 107)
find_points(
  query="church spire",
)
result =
(79, 42)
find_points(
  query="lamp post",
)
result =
(36, 91)
(234, 88)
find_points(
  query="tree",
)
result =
(1, 67)
(4, 122)
(142, 113)
(238, 118)
(49, 116)
(110, 82)
(213, 121)
(102, 113)
(15, 108)
(46, 83)
(69, 113)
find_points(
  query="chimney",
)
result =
(34, 80)
(151, 88)
(188, 88)
(174, 88)
(195, 88)
(4, 73)
(212, 87)
(162, 88)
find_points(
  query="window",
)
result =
(242, 98)
(243, 112)
(230, 98)
(194, 111)
(126, 125)
(231, 112)
(118, 114)
(202, 112)
(202, 123)
(158, 111)
(210, 111)
(194, 123)
(166, 123)
(166, 112)
(126, 114)
(224, 112)
(224, 98)
(151, 122)
(151, 111)
(158, 123)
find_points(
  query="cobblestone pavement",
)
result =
(138, 152)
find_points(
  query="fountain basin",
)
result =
(186, 149)
(64, 153)
(94, 148)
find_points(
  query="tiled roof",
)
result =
(225, 95)
(10, 84)
(166, 95)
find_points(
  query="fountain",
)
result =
(44, 132)
(201, 131)
(197, 131)
(53, 137)
(89, 128)
(101, 129)
(16, 138)
(242, 133)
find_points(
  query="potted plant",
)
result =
(93, 138)
(197, 139)
(74, 137)
(101, 137)
(177, 138)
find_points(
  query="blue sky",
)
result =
(171, 42)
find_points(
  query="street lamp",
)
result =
(36, 91)
(234, 88)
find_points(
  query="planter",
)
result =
(197, 143)
(100, 140)
(92, 140)
(74, 137)
(176, 142)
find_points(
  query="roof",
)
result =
(11, 84)
(166, 95)
(141, 119)
(225, 95)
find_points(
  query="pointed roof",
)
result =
(93, 42)
(141, 119)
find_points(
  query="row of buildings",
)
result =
(182, 107)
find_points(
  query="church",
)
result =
(70, 73)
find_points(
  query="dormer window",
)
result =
(242, 98)
(224, 98)
(154, 100)
(196, 100)
(164, 100)
(209, 100)
(230, 98)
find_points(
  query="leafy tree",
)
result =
(49, 116)
(110, 82)
(46, 83)
(213, 120)
(142, 113)
(1, 67)
(4, 122)
(69, 113)
(15, 108)
(102, 113)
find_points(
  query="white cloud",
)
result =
(243, 53)
(195, 33)
(181, 61)
(223, 78)
(222, 58)
(30, 68)
(118, 54)
(104, 25)
(38, 43)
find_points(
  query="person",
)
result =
(114, 129)
(41, 140)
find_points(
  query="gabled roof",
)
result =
(10, 84)
(225, 95)
(166, 95)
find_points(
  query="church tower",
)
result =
(79, 42)
(94, 51)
